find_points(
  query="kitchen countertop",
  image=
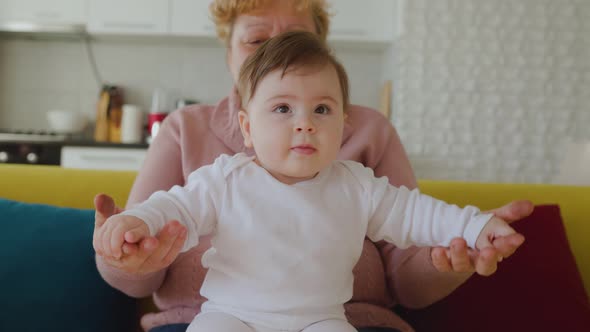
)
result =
(93, 143)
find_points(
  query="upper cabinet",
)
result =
(191, 18)
(147, 17)
(42, 12)
(363, 21)
(352, 20)
(368, 21)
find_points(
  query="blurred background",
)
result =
(493, 91)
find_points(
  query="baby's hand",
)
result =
(117, 230)
(494, 229)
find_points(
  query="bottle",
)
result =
(108, 114)
(115, 114)
(158, 113)
(101, 129)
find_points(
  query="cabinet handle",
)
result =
(128, 25)
(47, 15)
(108, 159)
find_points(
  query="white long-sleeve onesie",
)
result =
(280, 249)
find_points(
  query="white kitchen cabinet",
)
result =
(105, 158)
(43, 12)
(364, 21)
(191, 18)
(128, 17)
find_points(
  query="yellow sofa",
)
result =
(76, 188)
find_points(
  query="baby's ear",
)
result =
(244, 121)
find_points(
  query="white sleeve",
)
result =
(193, 205)
(406, 217)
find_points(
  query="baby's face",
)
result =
(295, 123)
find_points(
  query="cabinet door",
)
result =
(149, 17)
(191, 18)
(118, 159)
(366, 20)
(43, 11)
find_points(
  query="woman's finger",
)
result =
(175, 249)
(135, 257)
(167, 236)
(440, 259)
(507, 245)
(514, 210)
(104, 208)
(486, 263)
(148, 248)
(460, 257)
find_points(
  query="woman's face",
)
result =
(252, 29)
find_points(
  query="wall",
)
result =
(38, 75)
(492, 90)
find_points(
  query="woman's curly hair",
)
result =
(225, 12)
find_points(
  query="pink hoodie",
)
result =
(196, 135)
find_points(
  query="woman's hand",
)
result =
(146, 255)
(460, 258)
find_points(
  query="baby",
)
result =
(288, 222)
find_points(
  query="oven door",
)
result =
(32, 153)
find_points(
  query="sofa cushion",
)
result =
(539, 288)
(49, 280)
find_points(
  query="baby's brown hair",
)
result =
(284, 52)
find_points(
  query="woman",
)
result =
(196, 135)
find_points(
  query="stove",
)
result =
(30, 147)
(30, 136)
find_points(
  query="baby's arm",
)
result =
(193, 205)
(190, 205)
(117, 230)
(407, 217)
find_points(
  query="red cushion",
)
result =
(539, 288)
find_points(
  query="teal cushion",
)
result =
(48, 278)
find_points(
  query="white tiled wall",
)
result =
(492, 90)
(38, 75)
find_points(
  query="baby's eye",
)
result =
(282, 109)
(322, 109)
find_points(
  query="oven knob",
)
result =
(4, 157)
(32, 157)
